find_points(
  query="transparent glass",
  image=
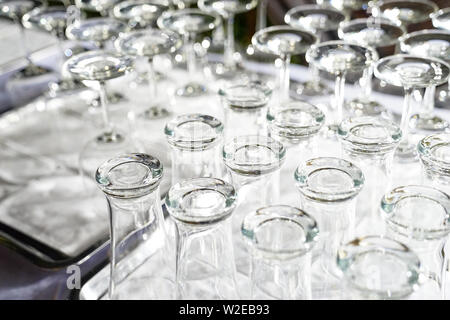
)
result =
(328, 189)
(245, 108)
(100, 6)
(318, 20)
(434, 154)
(296, 125)
(370, 143)
(280, 239)
(139, 14)
(410, 72)
(337, 58)
(406, 11)
(378, 268)
(441, 19)
(130, 183)
(284, 42)
(195, 140)
(202, 209)
(419, 217)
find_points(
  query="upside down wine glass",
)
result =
(337, 58)
(190, 23)
(410, 72)
(228, 9)
(284, 42)
(317, 20)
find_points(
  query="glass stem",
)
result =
(315, 76)
(151, 80)
(284, 77)
(427, 108)
(104, 105)
(61, 51)
(190, 55)
(367, 83)
(339, 96)
(406, 115)
(229, 45)
(261, 13)
(25, 48)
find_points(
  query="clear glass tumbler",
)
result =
(195, 141)
(245, 108)
(378, 268)
(328, 189)
(130, 183)
(201, 209)
(370, 143)
(419, 217)
(280, 239)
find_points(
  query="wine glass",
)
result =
(97, 67)
(410, 72)
(149, 43)
(15, 9)
(228, 10)
(436, 44)
(139, 13)
(337, 58)
(406, 12)
(374, 33)
(315, 19)
(189, 23)
(283, 41)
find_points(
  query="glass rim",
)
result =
(185, 142)
(395, 196)
(107, 21)
(426, 2)
(177, 194)
(188, 11)
(133, 190)
(367, 145)
(201, 4)
(311, 166)
(426, 145)
(360, 247)
(254, 221)
(312, 7)
(35, 12)
(116, 9)
(406, 37)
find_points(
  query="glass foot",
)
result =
(406, 152)
(110, 138)
(31, 71)
(223, 71)
(309, 89)
(191, 90)
(361, 107)
(155, 113)
(433, 123)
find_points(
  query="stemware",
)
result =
(406, 12)
(228, 9)
(337, 58)
(189, 23)
(441, 19)
(284, 42)
(139, 13)
(315, 19)
(436, 44)
(376, 267)
(150, 43)
(373, 33)
(97, 67)
(410, 72)
(15, 9)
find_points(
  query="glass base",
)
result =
(142, 79)
(223, 71)
(406, 152)
(309, 89)
(191, 90)
(155, 113)
(362, 107)
(113, 97)
(433, 123)
(31, 71)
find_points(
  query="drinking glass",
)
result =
(280, 240)
(410, 72)
(328, 189)
(337, 58)
(97, 67)
(195, 142)
(296, 125)
(245, 107)
(441, 19)
(228, 9)
(370, 143)
(130, 183)
(373, 33)
(202, 210)
(190, 23)
(434, 154)
(284, 42)
(15, 9)
(406, 12)
(419, 217)
(149, 43)
(378, 268)
(317, 20)
(139, 14)
(435, 44)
